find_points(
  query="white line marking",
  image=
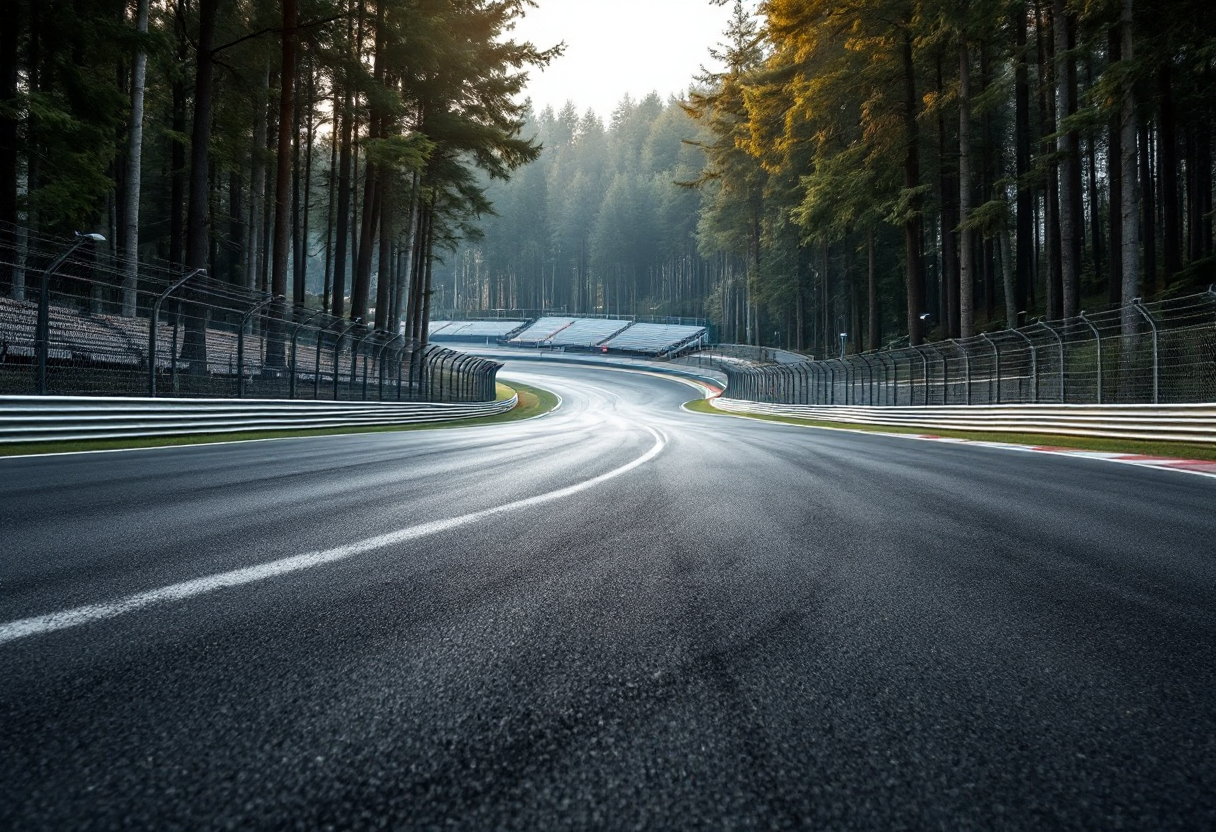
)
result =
(22, 628)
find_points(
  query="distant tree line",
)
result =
(889, 169)
(262, 140)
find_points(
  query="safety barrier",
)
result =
(80, 329)
(1143, 353)
(1174, 423)
(55, 418)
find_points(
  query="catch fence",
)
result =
(70, 326)
(1143, 353)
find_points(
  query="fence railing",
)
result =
(1143, 353)
(72, 326)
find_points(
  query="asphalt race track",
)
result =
(619, 616)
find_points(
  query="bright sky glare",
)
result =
(615, 47)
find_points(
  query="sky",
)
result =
(615, 47)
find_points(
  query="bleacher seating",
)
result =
(655, 339)
(542, 331)
(588, 332)
(488, 330)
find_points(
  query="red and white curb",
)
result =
(1204, 468)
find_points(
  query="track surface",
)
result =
(760, 627)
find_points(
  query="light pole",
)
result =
(356, 351)
(379, 366)
(43, 340)
(338, 351)
(240, 341)
(153, 321)
(295, 334)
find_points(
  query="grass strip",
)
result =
(1180, 450)
(533, 401)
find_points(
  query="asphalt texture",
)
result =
(759, 627)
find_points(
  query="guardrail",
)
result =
(1173, 423)
(47, 419)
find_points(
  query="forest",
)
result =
(850, 175)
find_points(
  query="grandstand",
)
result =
(588, 332)
(656, 339)
(112, 341)
(489, 331)
(541, 332)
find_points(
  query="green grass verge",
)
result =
(1081, 443)
(533, 401)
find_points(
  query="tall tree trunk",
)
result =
(257, 183)
(330, 199)
(297, 238)
(966, 296)
(342, 233)
(1024, 271)
(1129, 198)
(403, 272)
(236, 229)
(1114, 177)
(8, 149)
(194, 344)
(1051, 202)
(1095, 219)
(914, 224)
(384, 280)
(949, 188)
(1167, 157)
(276, 354)
(992, 164)
(177, 173)
(1070, 267)
(135, 146)
(305, 234)
(874, 330)
(1148, 211)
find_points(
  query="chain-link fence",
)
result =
(75, 323)
(1143, 353)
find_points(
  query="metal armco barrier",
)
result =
(1173, 423)
(45, 419)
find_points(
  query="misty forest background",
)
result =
(894, 169)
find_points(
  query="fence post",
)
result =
(153, 320)
(295, 334)
(924, 363)
(379, 366)
(1156, 359)
(1060, 342)
(338, 352)
(966, 369)
(883, 386)
(893, 393)
(1098, 341)
(996, 368)
(869, 387)
(1034, 366)
(356, 349)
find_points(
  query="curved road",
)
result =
(619, 616)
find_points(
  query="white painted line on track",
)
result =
(37, 625)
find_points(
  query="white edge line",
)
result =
(50, 622)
